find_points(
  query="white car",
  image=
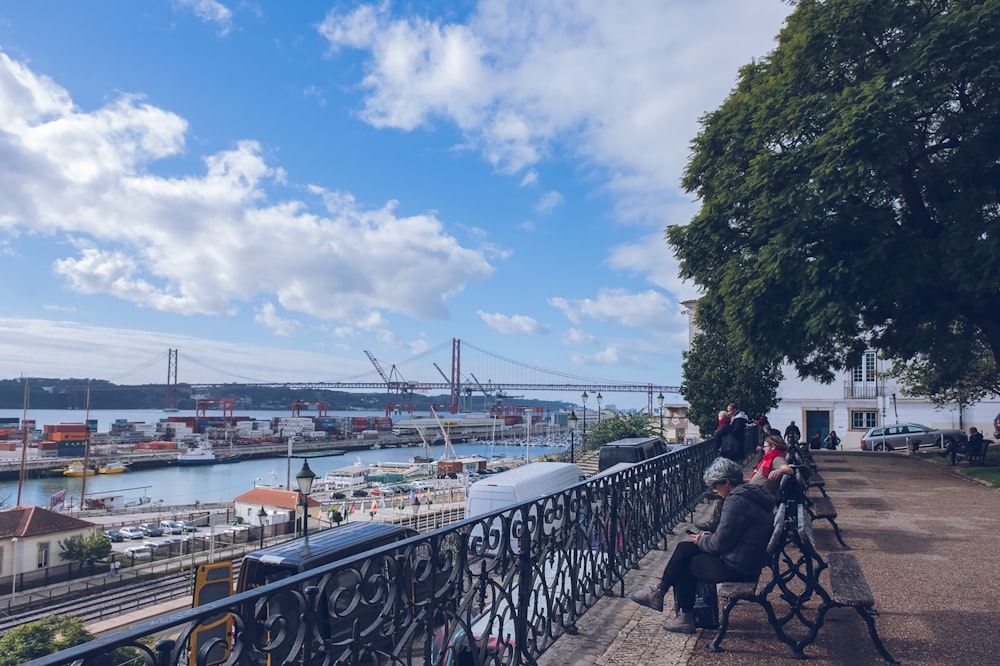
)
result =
(172, 527)
(130, 533)
(138, 552)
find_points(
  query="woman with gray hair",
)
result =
(736, 551)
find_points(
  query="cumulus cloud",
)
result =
(651, 257)
(512, 324)
(621, 85)
(646, 310)
(207, 243)
(267, 315)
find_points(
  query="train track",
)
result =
(135, 595)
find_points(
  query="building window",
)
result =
(866, 371)
(43, 555)
(863, 419)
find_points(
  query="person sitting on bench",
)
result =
(971, 447)
(736, 551)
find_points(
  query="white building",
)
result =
(859, 399)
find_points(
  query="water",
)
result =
(185, 485)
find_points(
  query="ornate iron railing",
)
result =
(492, 589)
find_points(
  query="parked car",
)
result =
(900, 436)
(151, 529)
(189, 526)
(138, 552)
(115, 536)
(172, 527)
(129, 533)
(360, 493)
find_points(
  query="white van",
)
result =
(515, 486)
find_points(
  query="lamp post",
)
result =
(261, 515)
(571, 420)
(583, 435)
(599, 399)
(13, 580)
(305, 479)
(659, 399)
(527, 421)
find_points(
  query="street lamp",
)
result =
(583, 436)
(599, 399)
(571, 420)
(527, 448)
(261, 515)
(305, 479)
(659, 399)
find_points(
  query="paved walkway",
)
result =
(928, 541)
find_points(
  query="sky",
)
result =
(273, 189)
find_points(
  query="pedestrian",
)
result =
(731, 442)
(792, 434)
(736, 551)
(831, 442)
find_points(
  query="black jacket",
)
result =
(744, 529)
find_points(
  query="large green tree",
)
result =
(716, 374)
(850, 190)
(622, 425)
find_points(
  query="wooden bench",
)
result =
(978, 458)
(818, 507)
(848, 589)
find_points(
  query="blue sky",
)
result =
(274, 188)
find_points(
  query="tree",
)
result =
(968, 386)
(848, 189)
(85, 549)
(42, 637)
(715, 374)
(621, 426)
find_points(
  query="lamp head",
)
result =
(572, 419)
(585, 396)
(659, 399)
(305, 478)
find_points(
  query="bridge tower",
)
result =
(456, 374)
(170, 401)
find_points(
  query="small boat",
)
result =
(76, 468)
(116, 467)
(201, 453)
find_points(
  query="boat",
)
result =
(77, 468)
(116, 467)
(201, 453)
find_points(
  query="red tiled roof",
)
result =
(28, 521)
(282, 499)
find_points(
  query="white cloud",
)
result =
(576, 337)
(619, 84)
(207, 243)
(549, 201)
(211, 11)
(512, 324)
(267, 315)
(530, 178)
(647, 310)
(651, 256)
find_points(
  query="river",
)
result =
(185, 485)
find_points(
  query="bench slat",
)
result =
(822, 507)
(848, 586)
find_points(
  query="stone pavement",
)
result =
(927, 539)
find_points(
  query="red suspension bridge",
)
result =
(505, 377)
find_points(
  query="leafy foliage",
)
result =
(715, 374)
(620, 426)
(85, 549)
(42, 637)
(848, 189)
(964, 385)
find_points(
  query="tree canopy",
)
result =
(716, 375)
(620, 426)
(42, 637)
(850, 190)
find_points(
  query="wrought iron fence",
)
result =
(498, 588)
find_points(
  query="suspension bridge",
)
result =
(466, 363)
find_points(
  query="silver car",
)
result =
(900, 436)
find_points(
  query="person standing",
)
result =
(792, 434)
(832, 441)
(816, 441)
(733, 445)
